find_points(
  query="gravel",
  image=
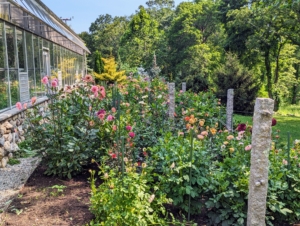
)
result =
(13, 179)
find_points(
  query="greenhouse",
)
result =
(34, 42)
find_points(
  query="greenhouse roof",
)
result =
(38, 9)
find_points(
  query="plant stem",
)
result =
(122, 158)
(190, 177)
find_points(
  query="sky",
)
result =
(84, 12)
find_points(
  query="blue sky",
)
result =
(84, 12)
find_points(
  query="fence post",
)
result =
(261, 144)
(171, 87)
(183, 87)
(229, 109)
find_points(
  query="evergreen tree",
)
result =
(98, 63)
(232, 75)
(110, 73)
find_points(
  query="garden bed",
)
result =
(40, 203)
(13, 179)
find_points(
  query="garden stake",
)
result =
(122, 158)
(191, 158)
(118, 116)
(289, 146)
(220, 119)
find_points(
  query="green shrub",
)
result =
(68, 133)
(128, 199)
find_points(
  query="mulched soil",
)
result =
(39, 204)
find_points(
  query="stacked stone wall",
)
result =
(12, 131)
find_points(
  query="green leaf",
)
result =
(285, 211)
(240, 221)
(186, 177)
(188, 190)
(209, 204)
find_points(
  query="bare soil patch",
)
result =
(39, 203)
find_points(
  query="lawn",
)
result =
(285, 124)
(290, 110)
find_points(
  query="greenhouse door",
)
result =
(24, 86)
(46, 63)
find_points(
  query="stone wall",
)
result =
(12, 131)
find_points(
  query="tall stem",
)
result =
(190, 177)
(123, 158)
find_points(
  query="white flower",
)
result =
(172, 165)
(151, 198)
(223, 147)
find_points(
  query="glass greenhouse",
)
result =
(34, 42)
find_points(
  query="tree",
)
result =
(110, 73)
(236, 35)
(140, 39)
(87, 38)
(162, 11)
(233, 75)
(106, 33)
(193, 51)
(266, 42)
(98, 63)
(98, 66)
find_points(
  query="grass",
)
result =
(290, 110)
(13, 161)
(286, 124)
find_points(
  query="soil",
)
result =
(38, 204)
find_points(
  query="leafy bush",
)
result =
(172, 162)
(128, 199)
(68, 132)
(192, 160)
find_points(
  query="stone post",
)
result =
(171, 87)
(229, 109)
(261, 144)
(183, 87)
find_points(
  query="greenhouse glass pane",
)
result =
(14, 87)
(4, 101)
(31, 78)
(40, 87)
(30, 51)
(2, 48)
(4, 11)
(20, 45)
(10, 40)
(51, 55)
(37, 61)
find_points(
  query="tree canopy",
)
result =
(195, 41)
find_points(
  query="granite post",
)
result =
(183, 87)
(171, 87)
(229, 109)
(261, 144)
